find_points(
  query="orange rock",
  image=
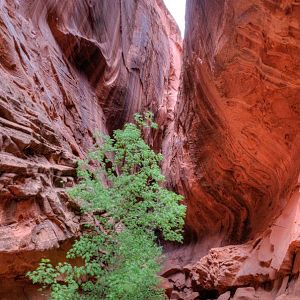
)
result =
(235, 150)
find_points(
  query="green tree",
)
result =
(121, 186)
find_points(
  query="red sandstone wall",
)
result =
(237, 118)
(67, 69)
(236, 149)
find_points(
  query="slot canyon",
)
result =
(226, 99)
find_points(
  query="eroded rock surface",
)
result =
(237, 119)
(68, 69)
(236, 149)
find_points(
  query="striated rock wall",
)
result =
(67, 69)
(236, 150)
(237, 118)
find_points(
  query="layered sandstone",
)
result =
(236, 150)
(68, 69)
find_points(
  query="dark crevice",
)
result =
(83, 54)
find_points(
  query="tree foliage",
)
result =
(121, 185)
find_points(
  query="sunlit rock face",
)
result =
(236, 147)
(68, 69)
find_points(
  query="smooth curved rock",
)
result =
(237, 119)
(235, 151)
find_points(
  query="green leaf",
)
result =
(117, 256)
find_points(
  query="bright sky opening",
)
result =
(177, 10)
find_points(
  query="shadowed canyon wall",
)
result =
(68, 69)
(236, 150)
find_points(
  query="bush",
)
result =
(121, 186)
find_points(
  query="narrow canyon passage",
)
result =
(226, 100)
